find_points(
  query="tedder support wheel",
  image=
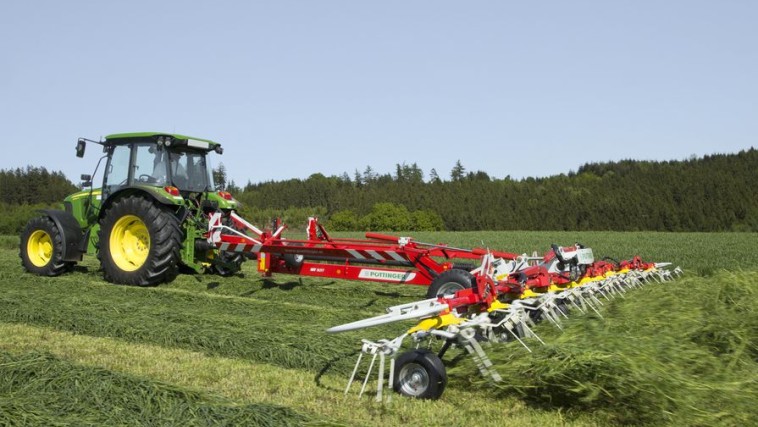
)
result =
(293, 261)
(42, 248)
(449, 282)
(140, 243)
(420, 374)
(228, 264)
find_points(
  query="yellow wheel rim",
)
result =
(129, 243)
(40, 248)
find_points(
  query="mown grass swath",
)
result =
(267, 324)
(684, 353)
(38, 389)
(247, 382)
(223, 326)
(680, 353)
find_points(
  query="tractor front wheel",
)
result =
(420, 374)
(140, 243)
(42, 248)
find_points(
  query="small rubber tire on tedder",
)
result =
(140, 242)
(450, 282)
(42, 248)
(228, 264)
(419, 374)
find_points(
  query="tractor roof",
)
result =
(144, 135)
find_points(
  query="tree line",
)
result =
(23, 191)
(32, 185)
(711, 193)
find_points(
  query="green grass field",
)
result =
(206, 350)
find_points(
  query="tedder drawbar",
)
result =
(158, 209)
(378, 258)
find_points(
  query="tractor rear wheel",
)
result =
(450, 282)
(41, 249)
(140, 243)
(420, 374)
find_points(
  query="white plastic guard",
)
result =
(585, 256)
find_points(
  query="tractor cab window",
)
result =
(150, 164)
(189, 171)
(117, 170)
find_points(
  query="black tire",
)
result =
(41, 248)
(536, 316)
(562, 306)
(419, 374)
(228, 264)
(155, 236)
(463, 266)
(501, 333)
(293, 261)
(449, 282)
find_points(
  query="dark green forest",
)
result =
(712, 193)
(24, 191)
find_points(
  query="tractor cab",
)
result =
(175, 163)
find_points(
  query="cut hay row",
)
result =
(702, 370)
(245, 382)
(284, 335)
(681, 353)
(40, 389)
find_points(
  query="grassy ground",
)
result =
(243, 350)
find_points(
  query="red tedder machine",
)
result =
(473, 295)
(378, 258)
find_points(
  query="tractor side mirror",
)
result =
(86, 180)
(81, 144)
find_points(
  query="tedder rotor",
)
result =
(506, 301)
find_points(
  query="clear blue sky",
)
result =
(292, 88)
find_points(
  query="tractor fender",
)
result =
(153, 193)
(71, 233)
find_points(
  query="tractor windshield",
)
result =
(147, 163)
(190, 171)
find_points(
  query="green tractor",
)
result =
(147, 220)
